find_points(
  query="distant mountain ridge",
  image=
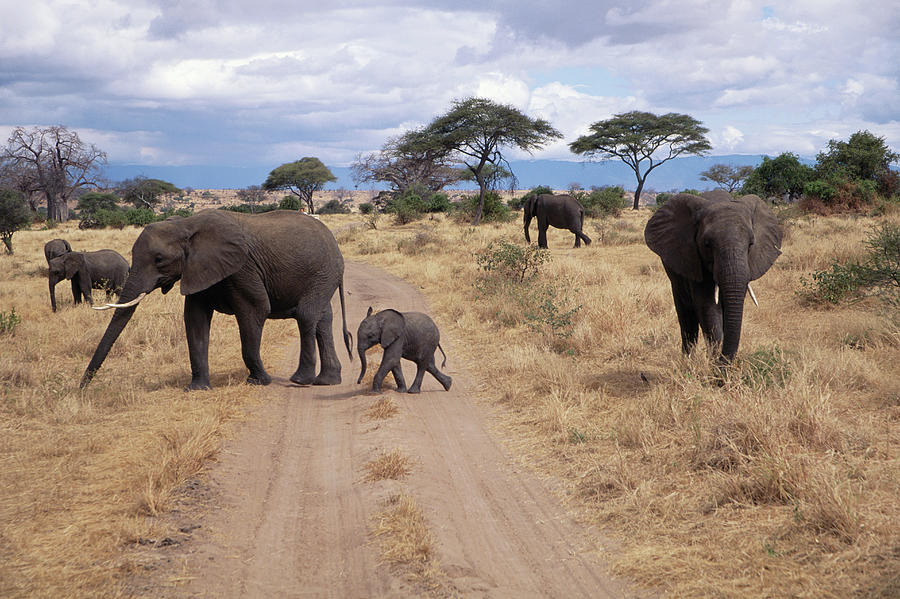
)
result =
(676, 174)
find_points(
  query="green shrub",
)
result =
(438, 202)
(511, 261)
(765, 368)
(366, 208)
(9, 321)
(140, 217)
(251, 208)
(289, 202)
(334, 207)
(407, 207)
(604, 201)
(493, 210)
(878, 273)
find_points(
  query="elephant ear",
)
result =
(766, 237)
(393, 325)
(74, 262)
(216, 248)
(671, 233)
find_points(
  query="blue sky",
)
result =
(231, 82)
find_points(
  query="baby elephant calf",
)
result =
(410, 335)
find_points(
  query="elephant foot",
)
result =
(333, 378)
(413, 390)
(301, 379)
(447, 383)
(198, 385)
(405, 390)
(262, 379)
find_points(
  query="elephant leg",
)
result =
(711, 319)
(306, 369)
(442, 378)
(53, 295)
(330, 372)
(389, 361)
(542, 232)
(420, 375)
(684, 308)
(76, 289)
(398, 378)
(250, 329)
(197, 316)
(579, 237)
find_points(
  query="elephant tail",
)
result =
(445, 355)
(348, 337)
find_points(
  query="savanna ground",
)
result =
(780, 478)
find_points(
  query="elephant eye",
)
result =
(158, 259)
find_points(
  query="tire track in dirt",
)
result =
(292, 514)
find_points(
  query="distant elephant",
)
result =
(279, 264)
(560, 211)
(409, 335)
(52, 249)
(103, 269)
(713, 246)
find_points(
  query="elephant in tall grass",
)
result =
(560, 211)
(275, 265)
(102, 269)
(711, 248)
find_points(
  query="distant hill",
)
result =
(677, 174)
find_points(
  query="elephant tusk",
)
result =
(716, 295)
(752, 295)
(125, 305)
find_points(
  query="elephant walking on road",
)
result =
(279, 264)
(103, 269)
(711, 248)
(560, 211)
(409, 335)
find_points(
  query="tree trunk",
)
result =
(480, 208)
(637, 194)
(7, 241)
(57, 209)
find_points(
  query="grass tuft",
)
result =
(391, 465)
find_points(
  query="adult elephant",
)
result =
(560, 211)
(711, 248)
(279, 264)
(103, 269)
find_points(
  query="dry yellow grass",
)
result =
(381, 409)
(390, 465)
(81, 471)
(406, 543)
(778, 478)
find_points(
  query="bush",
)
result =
(290, 202)
(140, 217)
(182, 212)
(408, 206)
(366, 208)
(251, 208)
(438, 202)
(9, 321)
(511, 261)
(826, 197)
(493, 210)
(334, 207)
(878, 273)
(604, 201)
(102, 218)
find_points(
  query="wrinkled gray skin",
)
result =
(710, 240)
(560, 211)
(52, 249)
(409, 335)
(103, 269)
(280, 264)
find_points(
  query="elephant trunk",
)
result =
(732, 290)
(120, 318)
(362, 362)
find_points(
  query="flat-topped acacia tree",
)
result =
(301, 178)
(643, 139)
(474, 131)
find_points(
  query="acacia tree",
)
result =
(474, 132)
(728, 176)
(642, 139)
(405, 161)
(55, 162)
(301, 178)
(14, 215)
(253, 196)
(143, 192)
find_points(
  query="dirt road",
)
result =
(292, 509)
